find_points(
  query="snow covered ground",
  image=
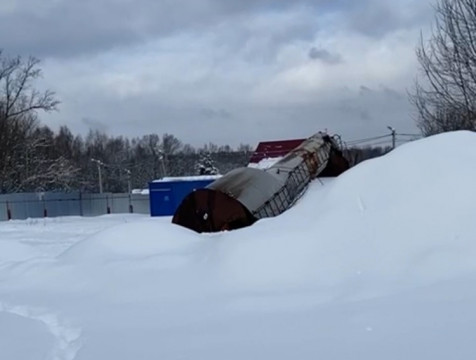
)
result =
(265, 163)
(379, 263)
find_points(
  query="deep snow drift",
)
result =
(379, 263)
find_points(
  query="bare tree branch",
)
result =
(19, 104)
(445, 95)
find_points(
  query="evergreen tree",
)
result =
(205, 165)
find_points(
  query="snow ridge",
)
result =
(67, 337)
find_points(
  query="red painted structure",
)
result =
(274, 149)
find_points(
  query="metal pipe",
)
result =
(99, 163)
(244, 195)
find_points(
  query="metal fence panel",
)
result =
(24, 205)
(3, 211)
(120, 203)
(51, 204)
(61, 204)
(94, 204)
(141, 203)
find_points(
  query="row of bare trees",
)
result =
(19, 131)
(445, 93)
(61, 161)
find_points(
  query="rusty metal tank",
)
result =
(245, 195)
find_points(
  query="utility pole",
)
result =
(394, 135)
(129, 190)
(128, 172)
(99, 163)
(162, 160)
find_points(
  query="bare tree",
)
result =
(170, 144)
(53, 174)
(445, 95)
(19, 103)
(18, 97)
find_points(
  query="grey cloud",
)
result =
(69, 28)
(350, 115)
(375, 109)
(78, 27)
(376, 18)
(262, 45)
(364, 90)
(383, 91)
(210, 113)
(324, 55)
(365, 115)
(222, 113)
(95, 124)
(392, 93)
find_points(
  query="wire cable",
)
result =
(367, 139)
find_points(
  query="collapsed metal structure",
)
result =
(245, 195)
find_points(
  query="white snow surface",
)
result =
(265, 163)
(379, 263)
(188, 178)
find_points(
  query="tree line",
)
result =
(43, 160)
(61, 161)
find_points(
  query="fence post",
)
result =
(45, 210)
(131, 208)
(9, 213)
(108, 207)
(80, 203)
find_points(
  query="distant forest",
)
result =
(43, 160)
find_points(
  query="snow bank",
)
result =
(132, 241)
(377, 263)
(188, 178)
(405, 218)
(10, 252)
(265, 163)
(397, 219)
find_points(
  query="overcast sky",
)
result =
(225, 71)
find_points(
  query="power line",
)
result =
(387, 142)
(413, 135)
(367, 139)
(395, 137)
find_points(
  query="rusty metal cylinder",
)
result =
(244, 195)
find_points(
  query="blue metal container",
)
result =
(167, 194)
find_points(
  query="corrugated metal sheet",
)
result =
(273, 149)
(61, 204)
(249, 186)
(140, 203)
(49, 204)
(25, 205)
(263, 193)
